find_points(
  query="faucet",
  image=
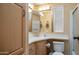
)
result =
(44, 34)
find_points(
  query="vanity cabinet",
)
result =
(32, 49)
(41, 48)
(38, 48)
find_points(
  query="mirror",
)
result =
(49, 20)
(58, 19)
(35, 22)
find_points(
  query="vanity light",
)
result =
(41, 14)
(44, 7)
(31, 5)
(29, 10)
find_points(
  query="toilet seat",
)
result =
(57, 53)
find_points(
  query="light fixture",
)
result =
(44, 7)
(29, 10)
(41, 13)
(31, 5)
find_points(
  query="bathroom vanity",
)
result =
(47, 28)
(38, 48)
(38, 45)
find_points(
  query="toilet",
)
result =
(58, 48)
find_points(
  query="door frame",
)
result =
(71, 29)
(23, 49)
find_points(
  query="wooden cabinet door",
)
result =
(41, 48)
(32, 49)
(11, 29)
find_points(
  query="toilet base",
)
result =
(57, 53)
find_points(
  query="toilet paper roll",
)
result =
(48, 45)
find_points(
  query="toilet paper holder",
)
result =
(50, 46)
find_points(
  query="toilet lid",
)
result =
(57, 53)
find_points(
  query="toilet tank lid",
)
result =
(58, 42)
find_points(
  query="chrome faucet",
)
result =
(44, 34)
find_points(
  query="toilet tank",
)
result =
(58, 46)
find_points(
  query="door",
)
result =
(11, 29)
(75, 49)
(77, 26)
(74, 30)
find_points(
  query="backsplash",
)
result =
(47, 35)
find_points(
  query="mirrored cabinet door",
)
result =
(35, 22)
(58, 19)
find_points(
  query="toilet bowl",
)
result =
(58, 48)
(57, 53)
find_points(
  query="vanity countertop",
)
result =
(33, 38)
